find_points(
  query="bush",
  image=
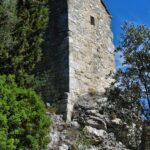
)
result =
(23, 121)
(92, 91)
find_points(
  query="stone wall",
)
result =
(78, 49)
(91, 57)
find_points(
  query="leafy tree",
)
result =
(26, 23)
(23, 121)
(133, 79)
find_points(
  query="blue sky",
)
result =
(136, 11)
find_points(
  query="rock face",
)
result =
(79, 49)
(93, 128)
(93, 111)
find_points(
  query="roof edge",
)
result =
(102, 1)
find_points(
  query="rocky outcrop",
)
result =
(94, 127)
(92, 112)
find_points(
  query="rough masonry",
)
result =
(80, 49)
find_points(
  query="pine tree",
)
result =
(23, 34)
(33, 19)
(8, 20)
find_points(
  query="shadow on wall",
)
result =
(55, 61)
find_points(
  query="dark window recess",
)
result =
(92, 20)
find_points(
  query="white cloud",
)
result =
(119, 60)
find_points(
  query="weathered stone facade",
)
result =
(81, 49)
(91, 56)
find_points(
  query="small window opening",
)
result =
(92, 20)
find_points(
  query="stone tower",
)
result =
(80, 49)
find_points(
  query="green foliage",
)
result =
(52, 109)
(133, 80)
(23, 124)
(85, 140)
(135, 47)
(23, 121)
(33, 19)
(22, 34)
(8, 21)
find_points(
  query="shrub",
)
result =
(92, 91)
(23, 121)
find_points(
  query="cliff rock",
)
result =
(94, 127)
